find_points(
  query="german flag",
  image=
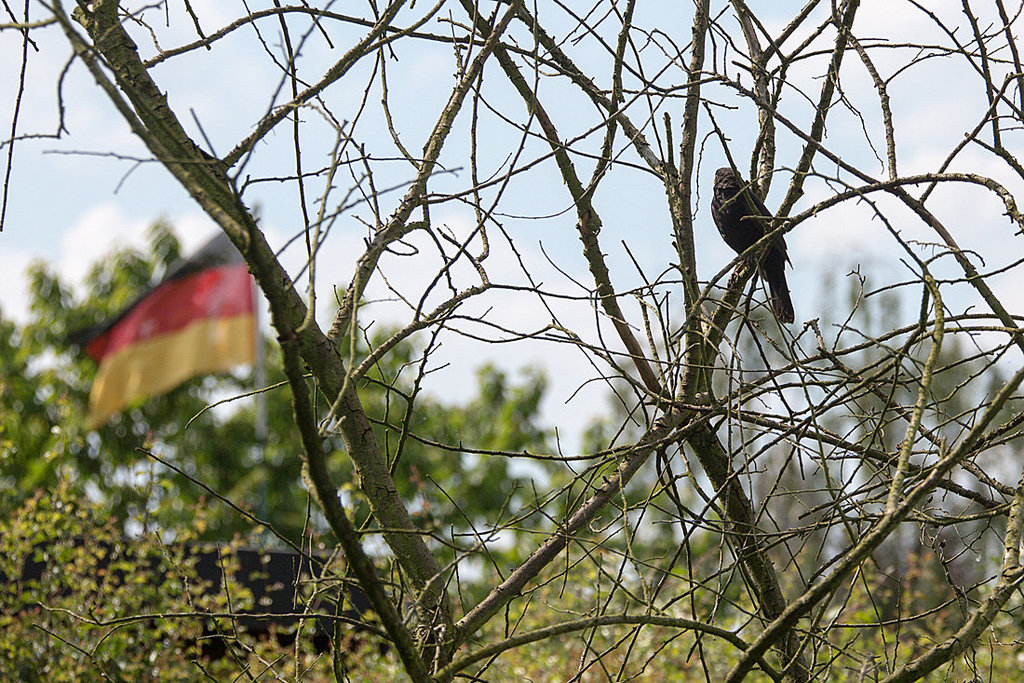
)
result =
(199, 319)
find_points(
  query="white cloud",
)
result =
(458, 358)
(930, 121)
(14, 295)
(101, 228)
(194, 230)
(108, 226)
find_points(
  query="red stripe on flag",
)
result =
(220, 292)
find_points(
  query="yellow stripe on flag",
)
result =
(161, 363)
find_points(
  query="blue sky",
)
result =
(69, 206)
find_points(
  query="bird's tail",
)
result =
(775, 276)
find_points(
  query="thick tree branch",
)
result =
(205, 179)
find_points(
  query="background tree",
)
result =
(545, 123)
(45, 401)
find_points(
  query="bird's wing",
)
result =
(757, 206)
(759, 209)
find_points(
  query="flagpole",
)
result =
(259, 374)
(260, 427)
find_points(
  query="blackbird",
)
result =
(741, 219)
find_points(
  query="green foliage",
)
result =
(45, 401)
(43, 435)
(75, 490)
(108, 607)
(860, 650)
(79, 623)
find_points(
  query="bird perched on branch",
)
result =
(742, 220)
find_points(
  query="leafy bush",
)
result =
(82, 602)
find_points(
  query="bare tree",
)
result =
(792, 453)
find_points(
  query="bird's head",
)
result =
(725, 176)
